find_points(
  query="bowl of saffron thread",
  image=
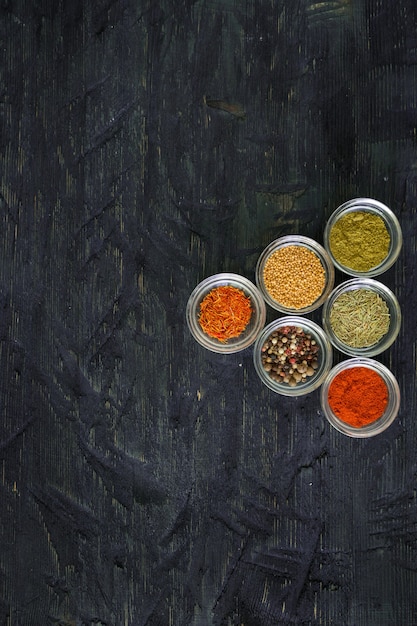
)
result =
(360, 397)
(225, 313)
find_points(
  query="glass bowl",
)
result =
(360, 318)
(252, 330)
(294, 281)
(272, 372)
(378, 425)
(363, 248)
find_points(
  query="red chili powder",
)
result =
(358, 396)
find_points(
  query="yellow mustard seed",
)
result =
(294, 276)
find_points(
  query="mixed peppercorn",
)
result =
(290, 355)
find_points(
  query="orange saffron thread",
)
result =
(225, 312)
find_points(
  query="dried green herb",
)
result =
(360, 318)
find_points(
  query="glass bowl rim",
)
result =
(391, 221)
(325, 363)
(392, 302)
(381, 423)
(302, 241)
(247, 337)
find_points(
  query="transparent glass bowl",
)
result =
(324, 356)
(393, 307)
(391, 222)
(392, 408)
(312, 246)
(251, 332)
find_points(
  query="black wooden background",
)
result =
(146, 144)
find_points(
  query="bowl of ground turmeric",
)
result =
(363, 237)
(360, 397)
(225, 313)
(295, 274)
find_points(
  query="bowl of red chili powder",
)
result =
(225, 313)
(360, 397)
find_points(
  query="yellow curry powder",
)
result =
(359, 240)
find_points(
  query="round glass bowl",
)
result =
(361, 317)
(252, 330)
(363, 237)
(374, 427)
(291, 348)
(295, 274)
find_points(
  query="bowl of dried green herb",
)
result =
(363, 237)
(362, 317)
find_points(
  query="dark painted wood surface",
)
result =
(145, 146)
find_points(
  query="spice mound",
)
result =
(358, 396)
(360, 241)
(294, 276)
(290, 355)
(225, 312)
(360, 318)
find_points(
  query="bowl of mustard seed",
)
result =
(363, 237)
(295, 274)
(362, 317)
(292, 356)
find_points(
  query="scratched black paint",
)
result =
(146, 145)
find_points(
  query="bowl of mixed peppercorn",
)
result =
(225, 313)
(295, 274)
(292, 356)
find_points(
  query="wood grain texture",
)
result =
(145, 146)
